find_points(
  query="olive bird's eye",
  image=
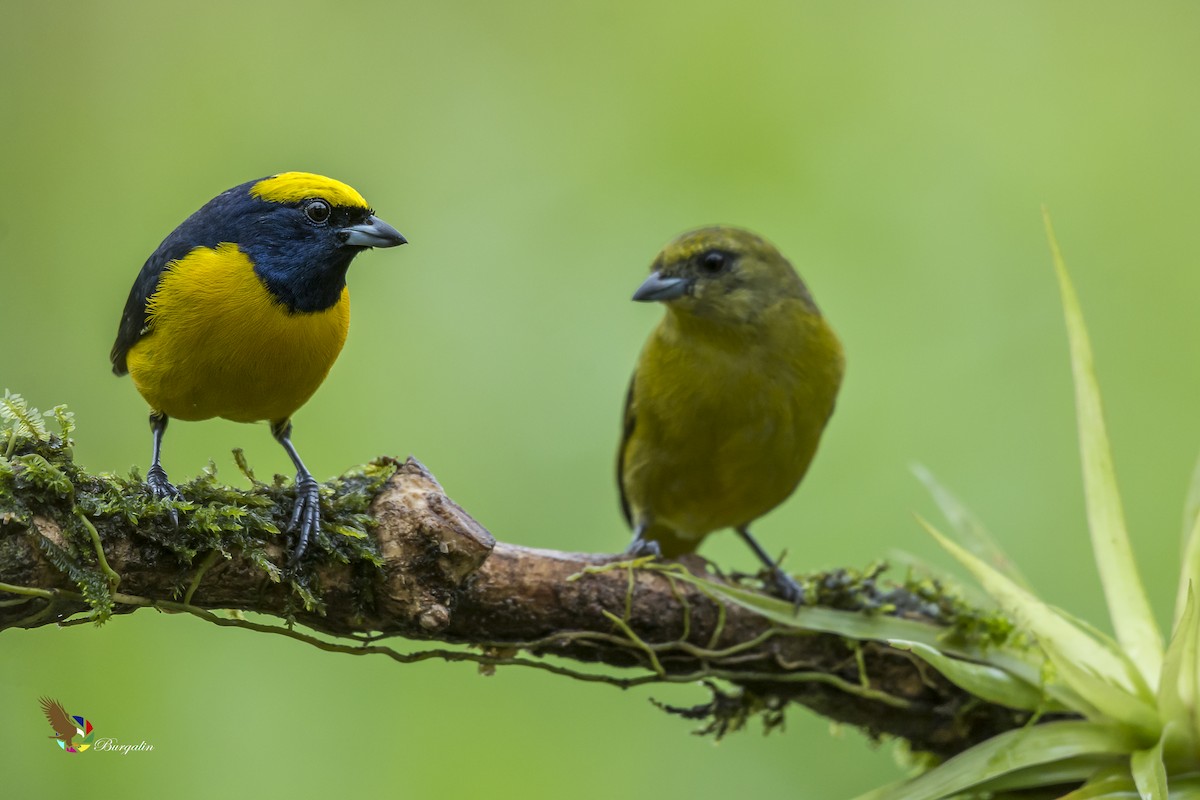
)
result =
(318, 211)
(714, 261)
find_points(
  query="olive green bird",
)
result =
(729, 398)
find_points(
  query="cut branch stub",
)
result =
(429, 545)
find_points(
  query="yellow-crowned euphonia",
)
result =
(242, 310)
(730, 395)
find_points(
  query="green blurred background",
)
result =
(537, 156)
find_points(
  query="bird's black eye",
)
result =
(714, 261)
(318, 211)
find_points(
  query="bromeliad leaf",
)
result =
(1106, 785)
(983, 680)
(1025, 665)
(1010, 752)
(1068, 772)
(1101, 676)
(1149, 772)
(1106, 702)
(1190, 571)
(815, 618)
(1128, 607)
(1177, 690)
(971, 532)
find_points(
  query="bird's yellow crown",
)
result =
(292, 187)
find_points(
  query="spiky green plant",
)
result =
(1139, 736)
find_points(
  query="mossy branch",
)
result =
(398, 558)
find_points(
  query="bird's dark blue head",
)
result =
(301, 231)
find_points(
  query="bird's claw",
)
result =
(163, 489)
(306, 515)
(640, 548)
(787, 588)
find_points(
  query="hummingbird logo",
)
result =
(74, 734)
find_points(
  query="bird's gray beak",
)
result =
(661, 287)
(373, 233)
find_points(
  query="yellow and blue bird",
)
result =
(729, 397)
(242, 310)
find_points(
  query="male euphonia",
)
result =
(242, 310)
(729, 397)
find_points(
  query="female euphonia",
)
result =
(729, 398)
(242, 310)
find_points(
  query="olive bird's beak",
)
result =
(661, 287)
(372, 233)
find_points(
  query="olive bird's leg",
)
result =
(640, 546)
(785, 584)
(306, 515)
(156, 476)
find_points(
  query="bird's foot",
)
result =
(642, 548)
(163, 489)
(306, 515)
(789, 589)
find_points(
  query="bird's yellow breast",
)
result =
(219, 344)
(727, 424)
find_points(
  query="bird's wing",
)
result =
(57, 716)
(208, 227)
(626, 434)
(134, 319)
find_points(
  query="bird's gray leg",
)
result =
(306, 515)
(156, 476)
(785, 584)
